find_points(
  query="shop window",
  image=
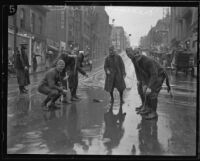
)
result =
(22, 18)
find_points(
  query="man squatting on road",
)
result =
(150, 75)
(50, 85)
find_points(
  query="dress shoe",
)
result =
(74, 99)
(53, 106)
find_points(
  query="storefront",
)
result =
(21, 38)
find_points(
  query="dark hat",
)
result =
(111, 47)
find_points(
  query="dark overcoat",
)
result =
(25, 62)
(74, 69)
(115, 79)
(21, 60)
(148, 71)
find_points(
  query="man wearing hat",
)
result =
(115, 74)
(74, 69)
(22, 68)
(50, 85)
(25, 63)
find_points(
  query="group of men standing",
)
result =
(150, 76)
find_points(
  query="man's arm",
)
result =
(81, 70)
(122, 67)
(106, 66)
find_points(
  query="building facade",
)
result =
(183, 26)
(158, 36)
(30, 26)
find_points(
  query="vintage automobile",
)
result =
(183, 60)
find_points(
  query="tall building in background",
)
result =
(118, 38)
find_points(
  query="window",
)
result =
(22, 18)
(32, 22)
(40, 25)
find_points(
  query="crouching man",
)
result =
(150, 75)
(50, 85)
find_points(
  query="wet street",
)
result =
(88, 127)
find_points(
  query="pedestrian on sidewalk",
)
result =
(50, 85)
(151, 75)
(115, 74)
(21, 66)
(25, 63)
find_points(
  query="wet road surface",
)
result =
(89, 127)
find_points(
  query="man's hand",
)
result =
(148, 90)
(66, 77)
(26, 68)
(144, 88)
(108, 72)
